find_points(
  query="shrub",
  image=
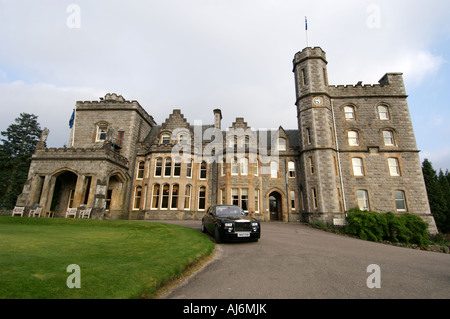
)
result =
(406, 228)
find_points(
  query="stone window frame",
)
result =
(140, 170)
(353, 111)
(358, 137)
(293, 199)
(282, 147)
(165, 138)
(167, 167)
(159, 164)
(203, 170)
(393, 136)
(200, 197)
(99, 132)
(403, 199)
(398, 166)
(187, 197)
(362, 166)
(291, 169)
(137, 198)
(274, 169)
(315, 198)
(157, 196)
(172, 197)
(379, 112)
(366, 199)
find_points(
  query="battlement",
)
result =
(391, 84)
(112, 101)
(310, 53)
(91, 154)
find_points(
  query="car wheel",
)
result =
(217, 235)
(203, 227)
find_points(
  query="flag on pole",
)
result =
(306, 23)
(72, 119)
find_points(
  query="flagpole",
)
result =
(306, 31)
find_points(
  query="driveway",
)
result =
(294, 261)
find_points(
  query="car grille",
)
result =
(243, 226)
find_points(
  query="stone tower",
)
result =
(319, 187)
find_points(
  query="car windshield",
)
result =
(229, 211)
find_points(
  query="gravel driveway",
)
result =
(294, 261)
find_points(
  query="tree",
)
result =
(438, 204)
(445, 189)
(18, 145)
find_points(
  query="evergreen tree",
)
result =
(436, 199)
(18, 145)
(445, 189)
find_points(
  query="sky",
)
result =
(236, 55)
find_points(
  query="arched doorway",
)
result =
(275, 205)
(64, 193)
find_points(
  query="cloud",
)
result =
(53, 106)
(199, 55)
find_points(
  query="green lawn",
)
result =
(117, 259)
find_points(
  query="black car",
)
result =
(230, 223)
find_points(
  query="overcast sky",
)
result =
(236, 55)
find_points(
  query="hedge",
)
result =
(373, 226)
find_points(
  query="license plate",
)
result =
(246, 234)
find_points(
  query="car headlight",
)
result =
(228, 224)
(255, 225)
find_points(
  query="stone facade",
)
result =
(354, 146)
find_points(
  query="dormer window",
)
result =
(165, 139)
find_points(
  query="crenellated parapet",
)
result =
(73, 154)
(390, 85)
(112, 102)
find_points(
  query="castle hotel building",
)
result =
(354, 146)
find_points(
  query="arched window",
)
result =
(187, 197)
(349, 112)
(353, 138)
(174, 202)
(400, 201)
(140, 171)
(168, 166)
(137, 198)
(158, 166)
(388, 137)
(363, 199)
(102, 132)
(202, 198)
(383, 113)
(155, 196)
(165, 196)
